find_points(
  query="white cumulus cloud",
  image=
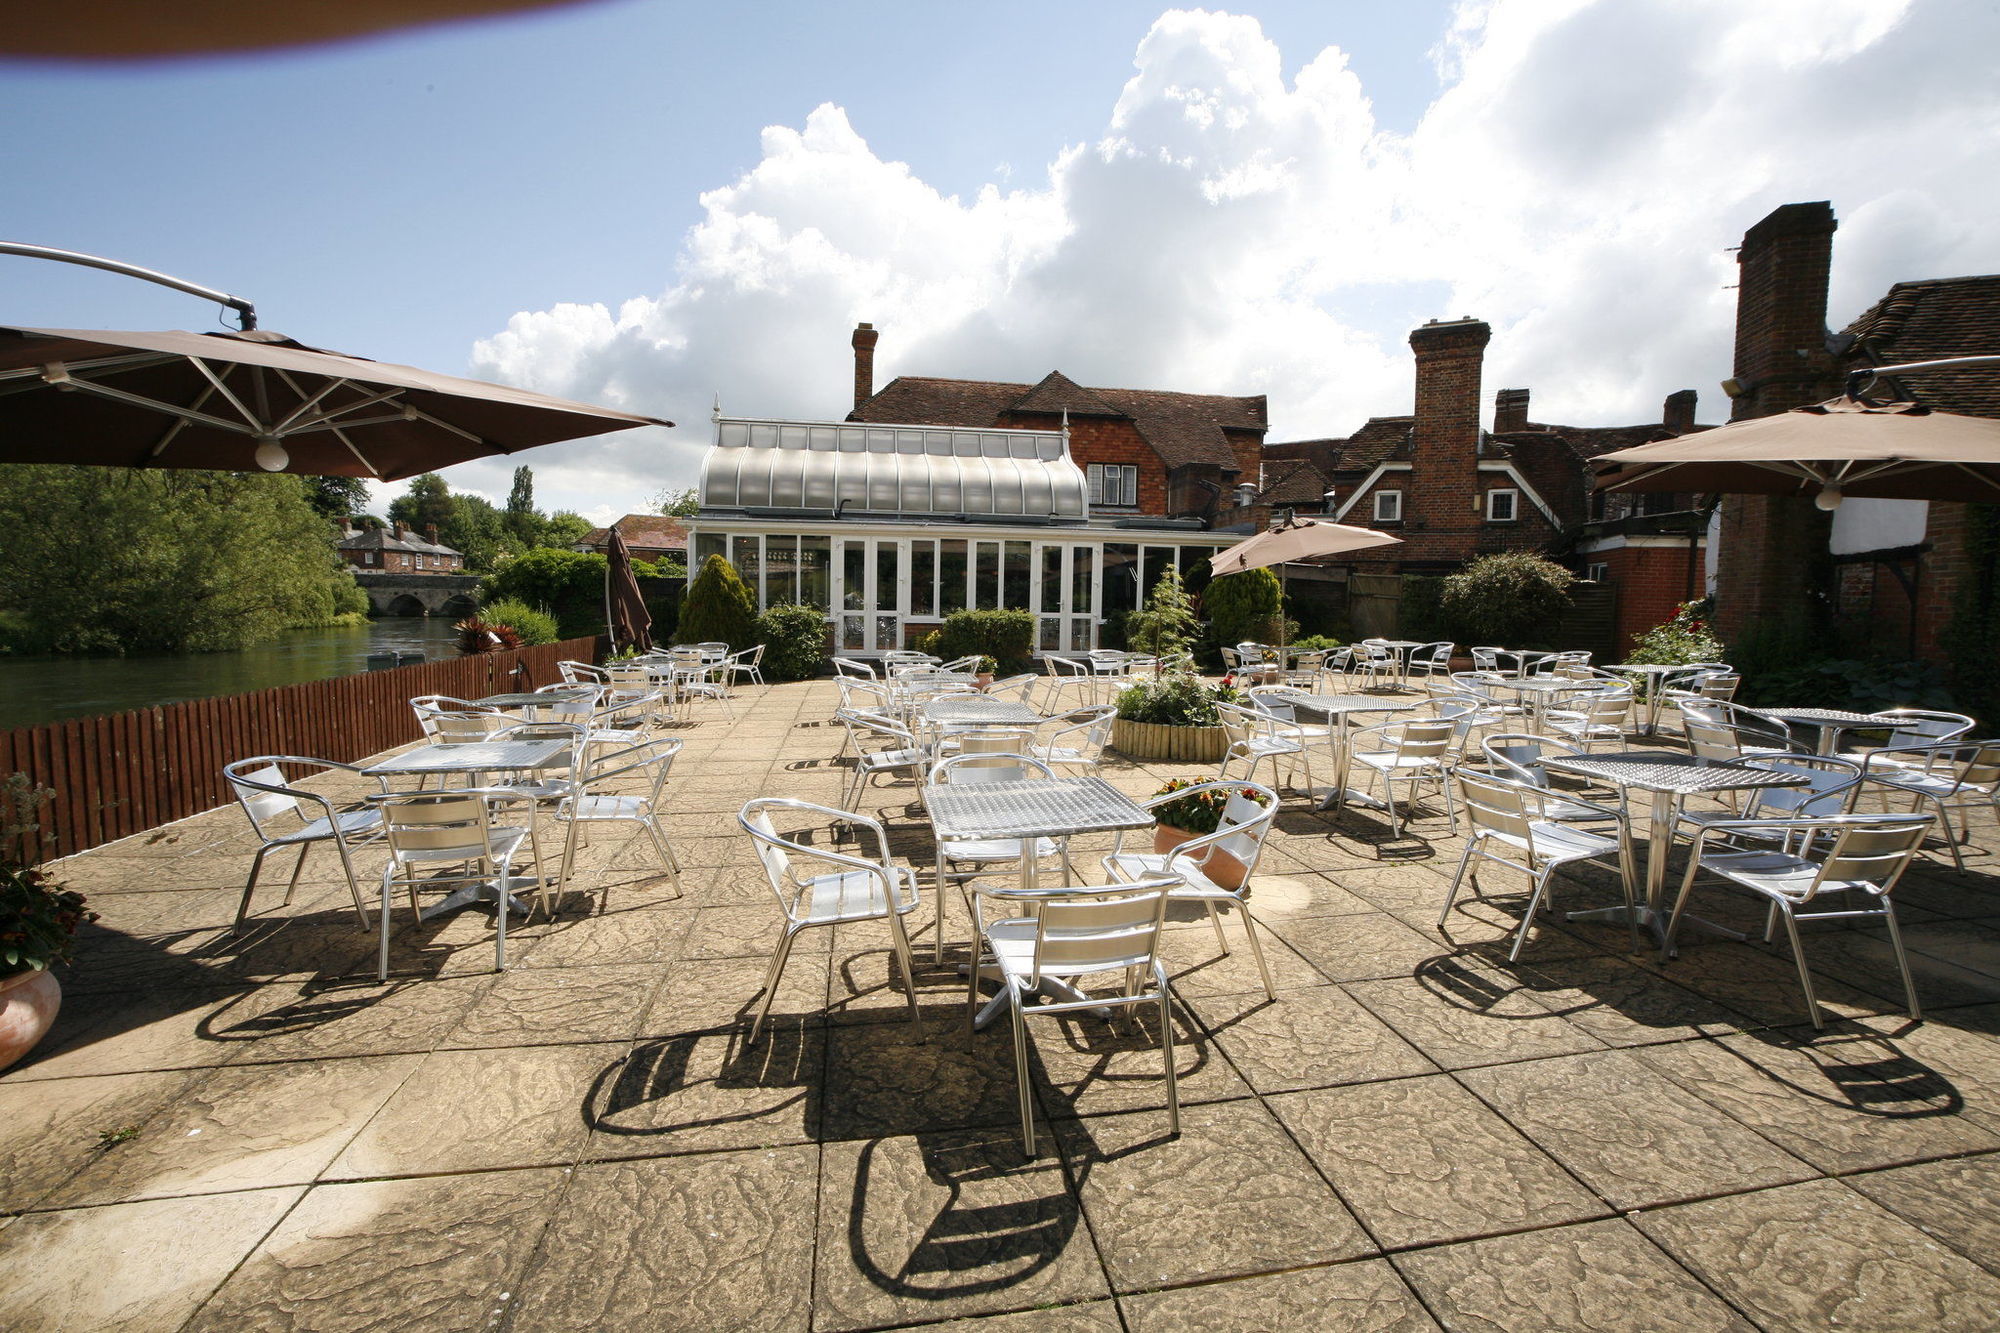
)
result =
(1576, 182)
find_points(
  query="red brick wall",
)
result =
(1107, 441)
(1651, 582)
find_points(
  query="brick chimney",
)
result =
(1510, 411)
(1444, 439)
(1678, 413)
(864, 362)
(396, 529)
(1770, 547)
(431, 533)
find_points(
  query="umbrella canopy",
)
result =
(1301, 539)
(624, 608)
(1847, 446)
(231, 401)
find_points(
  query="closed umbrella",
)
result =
(237, 400)
(624, 609)
(1846, 446)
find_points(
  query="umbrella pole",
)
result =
(610, 621)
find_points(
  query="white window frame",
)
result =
(1513, 513)
(1118, 479)
(1397, 506)
(1597, 571)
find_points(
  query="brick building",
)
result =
(1455, 492)
(1892, 571)
(395, 550)
(1144, 451)
(647, 537)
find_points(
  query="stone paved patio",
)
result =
(1415, 1135)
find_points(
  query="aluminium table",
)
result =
(1402, 648)
(471, 761)
(1655, 676)
(1830, 722)
(1670, 778)
(1049, 808)
(1336, 708)
(960, 710)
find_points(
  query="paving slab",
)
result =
(1365, 1296)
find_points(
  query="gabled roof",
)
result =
(655, 532)
(1292, 482)
(384, 539)
(1931, 320)
(1183, 428)
(1058, 393)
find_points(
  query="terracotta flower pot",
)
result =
(982, 679)
(1220, 866)
(28, 1005)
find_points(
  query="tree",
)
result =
(567, 584)
(678, 504)
(718, 608)
(111, 560)
(1167, 625)
(478, 531)
(1512, 599)
(335, 498)
(564, 529)
(523, 519)
(1245, 607)
(427, 504)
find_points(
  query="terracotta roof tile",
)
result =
(1931, 320)
(654, 532)
(1293, 482)
(1183, 428)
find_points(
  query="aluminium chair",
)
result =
(276, 806)
(1957, 775)
(1866, 855)
(817, 886)
(1254, 736)
(1105, 929)
(590, 800)
(1413, 751)
(1214, 869)
(452, 838)
(1079, 742)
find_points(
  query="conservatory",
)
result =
(889, 529)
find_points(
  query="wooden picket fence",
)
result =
(124, 773)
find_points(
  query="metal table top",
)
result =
(966, 711)
(1645, 668)
(529, 700)
(1826, 717)
(1351, 703)
(479, 757)
(1051, 808)
(1669, 771)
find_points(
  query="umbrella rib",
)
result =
(155, 405)
(257, 426)
(341, 435)
(331, 417)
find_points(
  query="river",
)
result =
(44, 689)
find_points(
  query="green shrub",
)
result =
(1512, 599)
(718, 608)
(1006, 636)
(1419, 614)
(569, 585)
(1178, 700)
(794, 639)
(1685, 637)
(530, 625)
(1245, 607)
(1317, 643)
(1858, 684)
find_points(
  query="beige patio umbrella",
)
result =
(237, 400)
(1296, 539)
(1845, 446)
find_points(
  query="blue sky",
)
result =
(646, 203)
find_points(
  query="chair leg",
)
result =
(1021, 1070)
(1528, 917)
(972, 993)
(901, 943)
(1451, 895)
(1805, 975)
(298, 867)
(1215, 920)
(382, 960)
(771, 979)
(666, 854)
(250, 886)
(1902, 958)
(353, 886)
(1257, 950)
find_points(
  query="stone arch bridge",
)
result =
(450, 595)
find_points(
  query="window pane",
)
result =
(1128, 490)
(888, 595)
(1081, 567)
(923, 575)
(813, 555)
(1121, 575)
(987, 579)
(706, 544)
(1095, 473)
(781, 570)
(1048, 588)
(1158, 558)
(951, 578)
(1014, 586)
(744, 555)
(853, 570)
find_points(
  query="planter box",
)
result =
(1154, 740)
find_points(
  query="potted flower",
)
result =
(1192, 816)
(982, 675)
(1173, 717)
(37, 920)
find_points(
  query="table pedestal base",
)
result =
(1060, 991)
(488, 892)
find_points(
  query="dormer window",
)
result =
(1388, 506)
(1113, 484)
(1502, 505)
